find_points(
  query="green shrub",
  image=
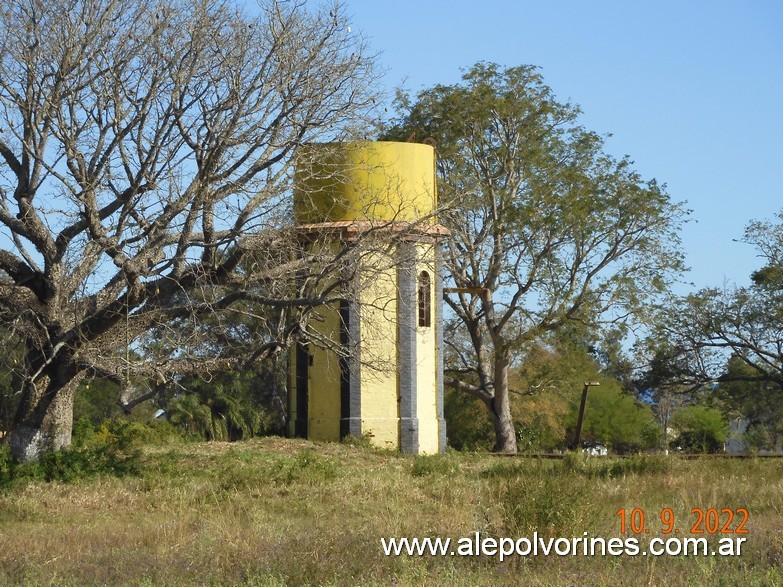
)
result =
(467, 422)
(229, 407)
(758, 437)
(72, 465)
(701, 430)
(82, 433)
(123, 433)
(113, 449)
(6, 462)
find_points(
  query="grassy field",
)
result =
(289, 512)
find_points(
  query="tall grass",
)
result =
(284, 512)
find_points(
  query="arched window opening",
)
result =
(425, 299)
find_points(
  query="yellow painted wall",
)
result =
(378, 298)
(426, 381)
(364, 181)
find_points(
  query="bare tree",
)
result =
(703, 330)
(145, 151)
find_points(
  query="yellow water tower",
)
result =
(382, 374)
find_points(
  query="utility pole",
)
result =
(578, 434)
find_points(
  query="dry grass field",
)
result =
(289, 512)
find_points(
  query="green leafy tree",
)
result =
(547, 385)
(733, 336)
(466, 425)
(546, 228)
(96, 402)
(616, 420)
(545, 393)
(663, 383)
(699, 429)
(758, 403)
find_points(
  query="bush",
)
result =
(701, 430)
(71, 465)
(113, 449)
(123, 433)
(758, 437)
(231, 406)
(467, 422)
(6, 462)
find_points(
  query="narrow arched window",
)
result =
(425, 299)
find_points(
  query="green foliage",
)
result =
(72, 465)
(113, 450)
(6, 465)
(190, 415)
(96, 401)
(651, 435)
(758, 402)
(615, 419)
(229, 407)
(758, 437)
(558, 231)
(699, 429)
(124, 433)
(549, 383)
(538, 433)
(749, 321)
(553, 377)
(467, 426)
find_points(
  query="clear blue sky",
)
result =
(692, 91)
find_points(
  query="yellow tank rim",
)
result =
(359, 181)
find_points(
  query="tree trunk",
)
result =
(44, 419)
(505, 435)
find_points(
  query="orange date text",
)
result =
(700, 521)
